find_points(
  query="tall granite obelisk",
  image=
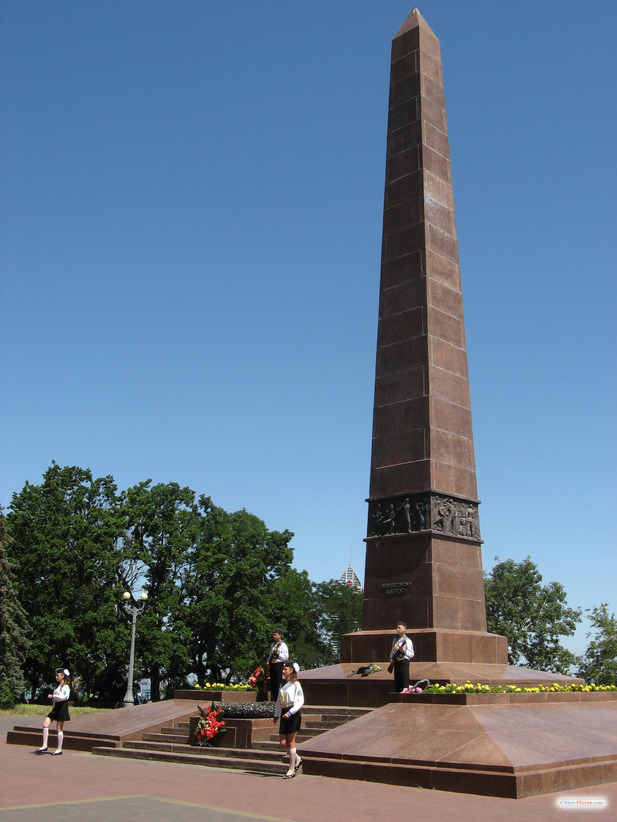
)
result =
(423, 553)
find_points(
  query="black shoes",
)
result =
(295, 771)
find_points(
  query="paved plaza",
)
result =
(80, 787)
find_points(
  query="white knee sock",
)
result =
(292, 757)
(45, 735)
(60, 738)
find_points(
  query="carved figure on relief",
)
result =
(446, 511)
(406, 509)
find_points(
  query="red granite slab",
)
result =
(116, 725)
(503, 745)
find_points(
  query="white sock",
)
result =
(45, 735)
(292, 758)
(60, 738)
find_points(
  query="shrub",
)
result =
(7, 697)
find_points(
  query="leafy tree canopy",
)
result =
(532, 616)
(211, 577)
(294, 607)
(228, 584)
(599, 663)
(340, 607)
(68, 551)
(14, 627)
(162, 523)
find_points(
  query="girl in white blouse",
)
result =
(60, 711)
(290, 701)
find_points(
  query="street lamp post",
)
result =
(133, 610)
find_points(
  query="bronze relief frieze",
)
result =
(428, 512)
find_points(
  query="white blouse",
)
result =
(61, 693)
(404, 646)
(279, 652)
(290, 699)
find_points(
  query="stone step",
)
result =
(171, 734)
(171, 744)
(270, 755)
(335, 710)
(311, 729)
(72, 741)
(301, 736)
(181, 727)
(213, 760)
(167, 737)
(324, 724)
(269, 745)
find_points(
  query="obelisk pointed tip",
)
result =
(415, 20)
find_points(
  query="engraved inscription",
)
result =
(391, 588)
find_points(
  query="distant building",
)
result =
(350, 578)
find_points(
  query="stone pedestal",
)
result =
(339, 685)
(430, 645)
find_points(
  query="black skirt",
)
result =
(291, 725)
(60, 712)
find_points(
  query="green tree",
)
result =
(227, 588)
(313, 616)
(599, 663)
(340, 607)
(14, 627)
(69, 557)
(163, 523)
(293, 606)
(217, 584)
(532, 616)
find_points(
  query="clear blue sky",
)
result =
(191, 230)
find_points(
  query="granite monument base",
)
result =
(430, 645)
(507, 745)
(339, 685)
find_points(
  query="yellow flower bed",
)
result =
(478, 688)
(222, 686)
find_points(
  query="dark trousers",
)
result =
(401, 675)
(276, 677)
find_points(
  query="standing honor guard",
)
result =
(60, 711)
(288, 710)
(279, 653)
(400, 655)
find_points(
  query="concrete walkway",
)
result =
(78, 787)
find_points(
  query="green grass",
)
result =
(43, 710)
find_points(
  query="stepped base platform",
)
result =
(250, 745)
(502, 745)
(338, 685)
(250, 760)
(509, 745)
(108, 728)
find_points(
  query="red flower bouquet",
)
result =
(258, 678)
(209, 726)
